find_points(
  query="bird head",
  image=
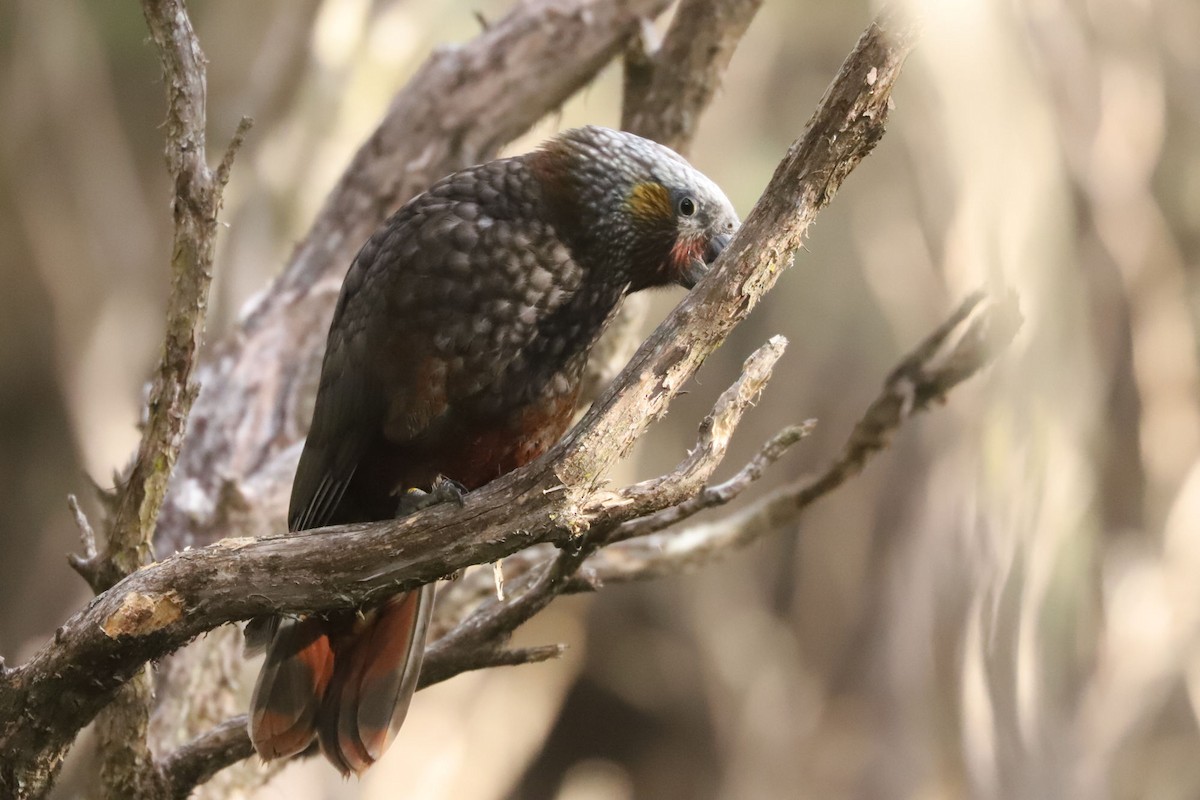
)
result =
(634, 208)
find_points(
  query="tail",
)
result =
(348, 685)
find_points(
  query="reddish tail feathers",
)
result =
(347, 685)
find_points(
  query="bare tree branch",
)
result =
(87, 539)
(206, 755)
(196, 201)
(667, 89)
(490, 627)
(478, 642)
(126, 764)
(557, 498)
(719, 495)
(964, 344)
(846, 126)
(967, 342)
(976, 333)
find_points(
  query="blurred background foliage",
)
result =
(1006, 604)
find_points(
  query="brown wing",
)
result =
(349, 405)
(435, 309)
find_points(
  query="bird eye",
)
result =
(687, 207)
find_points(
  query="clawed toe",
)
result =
(444, 490)
(448, 490)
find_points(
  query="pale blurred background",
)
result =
(1007, 603)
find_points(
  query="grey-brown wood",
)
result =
(126, 763)
(649, 547)
(45, 701)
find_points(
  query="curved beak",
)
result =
(698, 269)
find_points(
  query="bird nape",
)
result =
(456, 351)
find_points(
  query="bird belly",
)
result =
(470, 451)
(484, 450)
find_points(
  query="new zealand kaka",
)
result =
(457, 349)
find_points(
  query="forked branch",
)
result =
(558, 499)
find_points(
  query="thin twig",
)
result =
(221, 178)
(486, 630)
(493, 623)
(967, 342)
(87, 535)
(693, 472)
(722, 493)
(85, 564)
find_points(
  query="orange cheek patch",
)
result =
(650, 200)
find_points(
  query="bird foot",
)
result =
(444, 490)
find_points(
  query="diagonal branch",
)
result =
(478, 641)
(966, 343)
(199, 759)
(164, 605)
(489, 627)
(668, 87)
(846, 126)
(979, 330)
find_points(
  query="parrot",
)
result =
(455, 355)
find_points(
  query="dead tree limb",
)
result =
(559, 498)
(668, 86)
(126, 764)
(967, 342)
(647, 548)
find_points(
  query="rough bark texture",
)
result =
(127, 766)
(557, 499)
(845, 127)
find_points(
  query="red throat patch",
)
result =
(684, 252)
